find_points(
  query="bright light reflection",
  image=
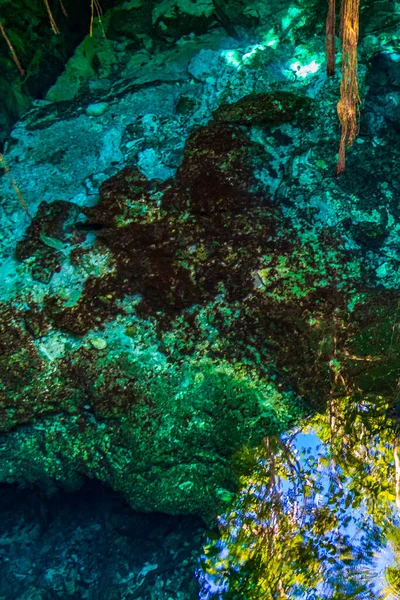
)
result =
(252, 52)
(303, 71)
(232, 58)
(271, 39)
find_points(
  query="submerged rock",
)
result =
(220, 284)
(90, 544)
(272, 107)
(200, 321)
(175, 18)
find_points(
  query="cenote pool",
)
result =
(199, 300)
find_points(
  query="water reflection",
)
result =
(318, 514)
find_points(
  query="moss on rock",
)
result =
(205, 322)
(271, 107)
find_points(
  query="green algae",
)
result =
(162, 436)
(272, 107)
(203, 321)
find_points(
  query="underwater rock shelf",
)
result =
(200, 321)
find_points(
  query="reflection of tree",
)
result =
(310, 519)
(360, 438)
(392, 572)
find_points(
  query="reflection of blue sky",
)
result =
(354, 524)
(358, 520)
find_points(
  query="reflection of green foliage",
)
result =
(361, 437)
(392, 575)
(291, 534)
(392, 572)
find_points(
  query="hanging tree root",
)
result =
(11, 48)
(95, 4)
(14, 185)
(348, 107)
(52, 21)
(330, 37)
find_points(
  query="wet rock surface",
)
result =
(194, 277)
(201, 320)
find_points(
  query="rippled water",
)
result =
(317, 515)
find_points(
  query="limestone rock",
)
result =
(219, 323)
(174, 18)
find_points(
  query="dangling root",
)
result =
(14, 185)
(348, 117)
(330, 37)
(95, 4)
(52, 21)
(63, 9)
(11, 48)
(348, 105)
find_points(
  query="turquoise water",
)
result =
(199, 300)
